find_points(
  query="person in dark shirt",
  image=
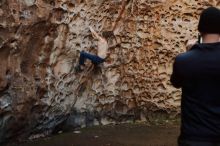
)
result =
(197, 73)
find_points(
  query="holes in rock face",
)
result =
(166, 40)
(14, 11)
(186, 20)
(161, 87)
(27, 33)
(188, 14)
(58, 14)
(51, 2)
(180, 26)
(177, 45)
(77, 45)
(74, 35)
(173, 19)
(118, 83)
(62, 100)
(71, 5)
(8, 71)
(24, 66)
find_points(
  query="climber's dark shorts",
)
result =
(94, 58)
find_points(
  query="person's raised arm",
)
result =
(190, 43)
(95, 34)
(119, 15)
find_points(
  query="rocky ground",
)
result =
(114, 135)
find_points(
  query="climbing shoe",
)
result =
(78, 69)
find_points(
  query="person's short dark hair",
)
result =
(108, 34)
(210, 21)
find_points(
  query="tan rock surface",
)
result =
(40, 42)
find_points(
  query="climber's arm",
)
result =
(190, 44)
(95, 34)
(119, 16)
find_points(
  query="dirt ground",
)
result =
(114, 135)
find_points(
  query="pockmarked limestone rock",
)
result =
(40, 41)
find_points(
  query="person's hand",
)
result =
(92, 31)
(190, 43)
(90, 27)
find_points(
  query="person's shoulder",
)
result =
(182, 56)
(186, 57)
(189, 53)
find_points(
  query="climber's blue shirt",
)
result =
(197, 72)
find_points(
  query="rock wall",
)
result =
(40, 41)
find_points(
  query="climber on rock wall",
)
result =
(102, 51)
(197, 73)
(102, 43)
